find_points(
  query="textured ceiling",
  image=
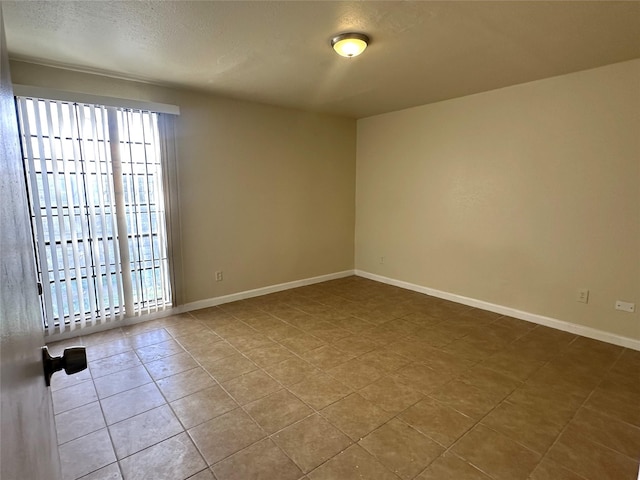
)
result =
(278, 52)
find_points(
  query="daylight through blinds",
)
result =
(97, 211)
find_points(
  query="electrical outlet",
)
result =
(583, 296)
(381, 260)
(625, 306)
(219, 276)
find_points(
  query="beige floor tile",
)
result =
(444, 362)
(292, 371)
(619, 385)
(225, 435)
(512, 365)
(185, 383)
(143, 327)
(78, 422)
(206, 354)
(251, 386)
(355, 373)
(114, 363)
(281, 331)
(494, 337)
(598, 352)
(468, 399)
(559, 405)
(591, 460)
(423, 378)
(422, 319)
(86, 454)
(262, 321)
(311, 442)
(202, 406)
(110, 472)
(132, 402)
(277, 410)
(621, 404)
(121, 381)
(436, 336)
(402, 328)
(439, 422)
(355, 416)
(329, 333)
(449, 466)
(629, 359)
(326, 357)
(496, 454)
(211, 313)
(301, 343)
(171, 365)
(356, 345)
(141, 431)
(233, 329)
(61, 380)
(74, 396)
(579, 380)
(550, 470)
(203, 475)
(610, 432)
(262, 460)
(186, 327)
(103, 350)
(320, 390)
(173, 459)
(391, 393)
(494, 383)
(484, 317)
(230, 367)
(246, 343)
(269, 355)
(353, 324)
(149, 337)
(157, 351)
(445, 310)
(385, 360)
(352, 464)
(623, 377)
(401, 449)
(533, 428)
(198, 340)
(102, 337)
(240, 310)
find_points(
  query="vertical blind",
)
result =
(94, 177)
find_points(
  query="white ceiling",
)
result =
(278, 52)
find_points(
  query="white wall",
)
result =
(516, 197)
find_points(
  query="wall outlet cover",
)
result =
(625, 306)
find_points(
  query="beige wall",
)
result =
(267, 194)
(517, 197)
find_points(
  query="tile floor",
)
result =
(348, 379)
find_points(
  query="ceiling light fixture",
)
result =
(350, 44)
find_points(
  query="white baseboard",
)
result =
(212, 302)
(512, 312)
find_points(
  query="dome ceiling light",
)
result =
(350, 44)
